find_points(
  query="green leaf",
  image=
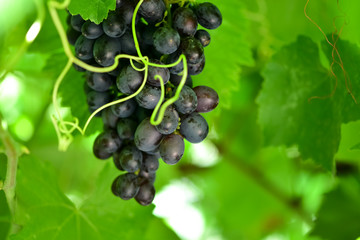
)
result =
(5, 217)
(229, 49)
(95, 10)
(292, 77)
(52, 215)
(339, 215)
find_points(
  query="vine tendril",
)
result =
(64, 133)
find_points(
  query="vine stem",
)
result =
(12, 163)
(61, 127)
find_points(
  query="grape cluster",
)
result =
(164, 31)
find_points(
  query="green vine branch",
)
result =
(64, 129)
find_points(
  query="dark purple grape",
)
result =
(187, 101)
(91, 30)
(207, 97)
(96, 100)
(129, 80)
(203, 36)
(194, 128)
(109, 119)
(108, 142)
(166, 40)
(197, 68)
(185, 22)
(172, 149)
(84, 48)
(152, 10)
(76, 22)
(147, 34)
(125, 186)
(116, 160)
(127, 43)
(124, 109)
(114, 26)
(176, 79)
(146, 194)
(208, 15)
(169, 123)
(147, 138)
(72, 35)
(148, 97)
(126, 128)
(99, 82)
(127, 12)
(147, 177)
(172, 58)
(130, 158)
(150, 163)
(162, 72)
(106, 49)
(192, 49)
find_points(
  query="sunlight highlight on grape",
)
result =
(175, 204)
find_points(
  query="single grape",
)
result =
(208, 15)
(126, 128)
(197, 68)
(97, 99)
(194, 128)
(99, 82)
(150, 163)
(114, 26)
(172, 149)
(108, 141)
(125, 186)
(106, 49)
(147, 138)
(72, 35)
(124, 109)
(84, 48)
(172, 58)
(203, 36)
(149, 97)
(127, 43)
(162, 72)
(146, 194)
(170, 121)
(130, 158)
(100, 152)
(187, 101)
(109, 118)
(129, 80)
(192, 49)
(116, 160)
(166, 40)
(176, 79)
(152, 10)
(207, 97)
(127, 12)
(147, 177)
(76, 22)
(184, 21)
(91, 30)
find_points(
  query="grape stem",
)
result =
(63, 128)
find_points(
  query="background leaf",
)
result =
(95, 10)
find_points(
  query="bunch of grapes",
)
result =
(164, 31)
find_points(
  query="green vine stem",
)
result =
(64, 133)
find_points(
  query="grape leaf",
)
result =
(228, 50)
(52, 215)
(292, 77)
(5, 218)
(339, 215)
(95, 10)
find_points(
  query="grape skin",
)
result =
(149, 97)
(172, 149)
(207, 97)
(194, 128)
(146, 194)
(129, 80)
(187, 101)
(125, 186)
(170, 121)
(147, 138)
(166, 40)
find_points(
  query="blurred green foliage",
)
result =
(275, 166)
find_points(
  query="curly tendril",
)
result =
(64, 129)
